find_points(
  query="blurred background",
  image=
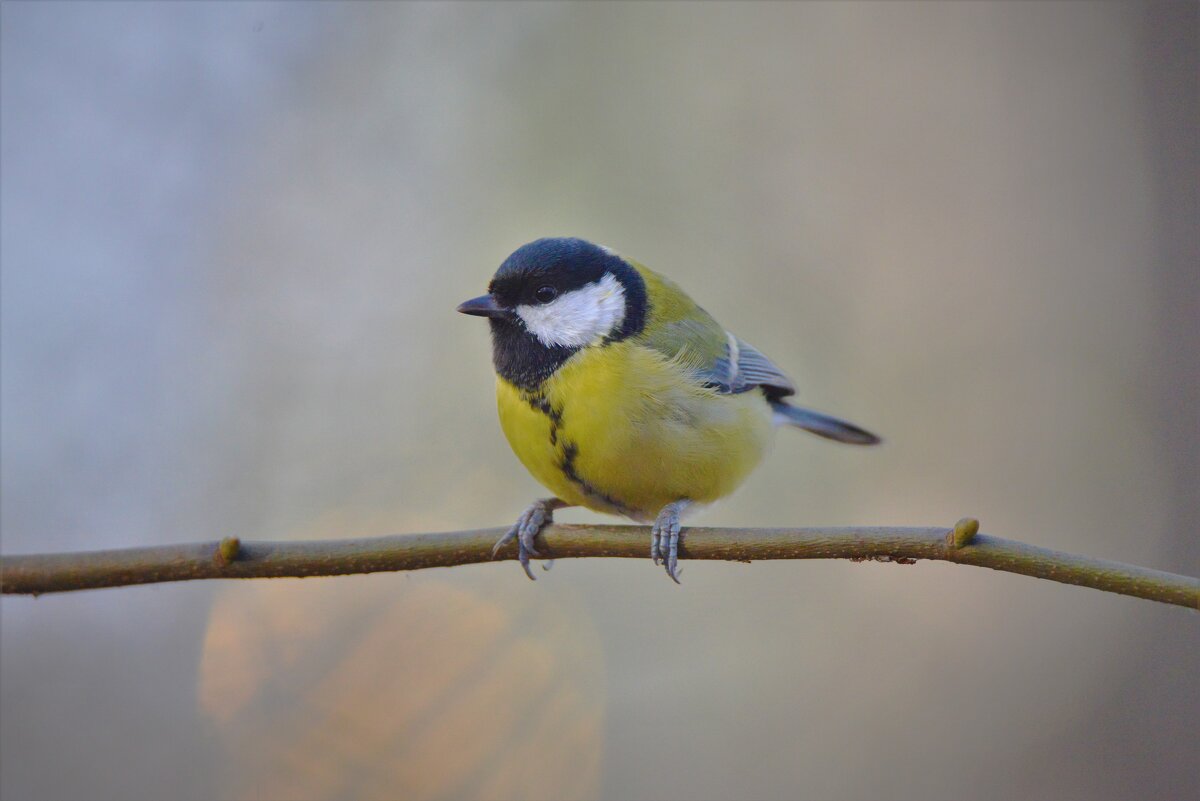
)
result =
(232, 239)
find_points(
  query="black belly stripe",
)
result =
(570, 451)
(567, 465)
(540, 404)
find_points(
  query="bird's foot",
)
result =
(664, 537)
(539, 514)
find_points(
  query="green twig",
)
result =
(230, 558)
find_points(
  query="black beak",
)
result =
(484, 306)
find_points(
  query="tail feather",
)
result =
(822, 424)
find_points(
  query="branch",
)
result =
(230, 558)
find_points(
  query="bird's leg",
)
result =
(664, 537)
(539, 514)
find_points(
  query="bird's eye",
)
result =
(545, 294)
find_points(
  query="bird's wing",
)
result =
(743, 368)
(681, 330)
(718, 359)
(714, 357)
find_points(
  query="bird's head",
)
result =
(553, 297)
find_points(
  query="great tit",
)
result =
(618, 393)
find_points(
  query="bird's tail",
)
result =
(822, 424)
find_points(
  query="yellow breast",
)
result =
(623, 429)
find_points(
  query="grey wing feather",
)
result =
(743, 368)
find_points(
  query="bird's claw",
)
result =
(525, 530)
(664, 538)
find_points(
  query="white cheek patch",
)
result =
(577, 318)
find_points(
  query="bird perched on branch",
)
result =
(618, 393)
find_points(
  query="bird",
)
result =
(618, 393)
